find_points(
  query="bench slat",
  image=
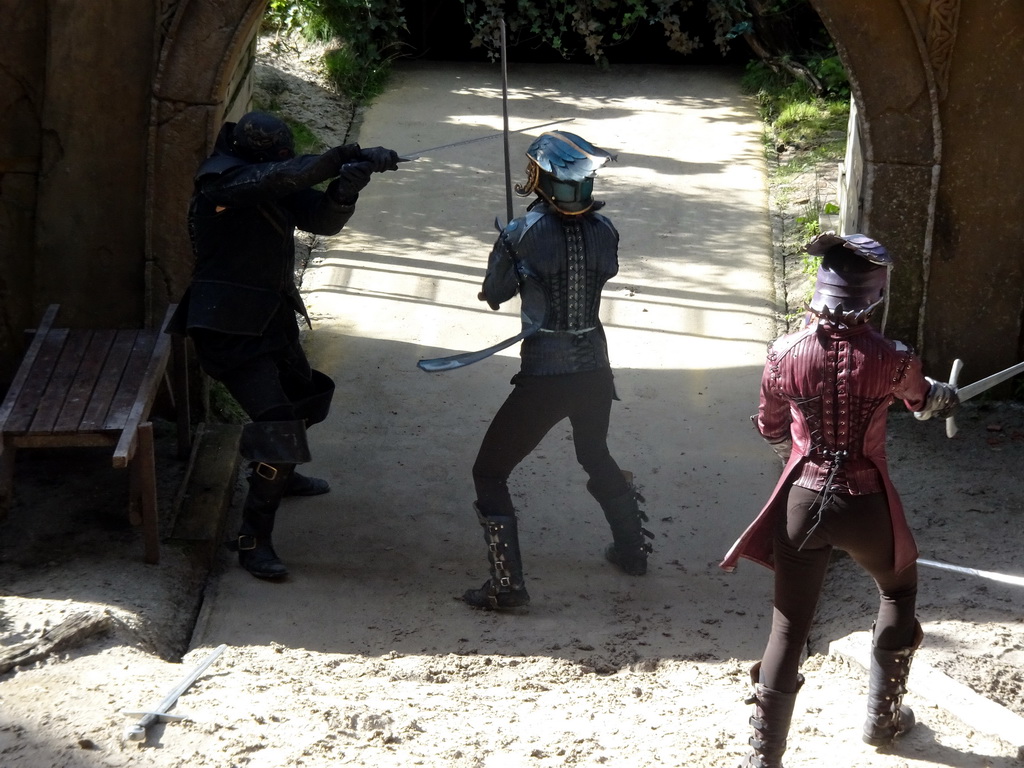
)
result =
(27, 362)
(38, 378)
(128, 389)
(52, 399)
(160, 352)
(110, 378)
(82, 387)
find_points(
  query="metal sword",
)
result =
(504, 117)
(430, 150)
(137, 732)
(976, 388)
(991, 575)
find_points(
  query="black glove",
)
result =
(346, 153)
(380, 159)
(352, 178)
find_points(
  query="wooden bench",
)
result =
(82, 388)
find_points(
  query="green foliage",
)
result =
(590, 27)
(793, 113)
(360, 80)
(832, 74)
(306, 142)
(223, 407)
(367, 33)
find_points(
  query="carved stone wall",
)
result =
(206, 51)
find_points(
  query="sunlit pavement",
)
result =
(687, 318)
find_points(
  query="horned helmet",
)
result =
(561, 169)
(852, 278)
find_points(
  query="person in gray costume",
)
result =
(241, 307)
(557, 257)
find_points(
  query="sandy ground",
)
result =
(365, 656)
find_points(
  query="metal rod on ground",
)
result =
(1005, 578)
(137, 732)
(504, 116)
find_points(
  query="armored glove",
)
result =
(941, 402)
(352, 178)
(380, 159)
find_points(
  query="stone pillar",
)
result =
(90, 212)
(22, 66)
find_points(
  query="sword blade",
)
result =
(976, 388)
(991, 575)
(421, 152)
(450, 363)
(504, 117)
(438, 364)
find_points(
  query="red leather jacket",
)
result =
(830, 390)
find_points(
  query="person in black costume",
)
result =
(250, 196)
(557, 258)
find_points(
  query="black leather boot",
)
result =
(887, 682)
(303, 485)
(629, 549)
(254, 545)
(773, 712)
(505, 588)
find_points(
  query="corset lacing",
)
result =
(827, 493)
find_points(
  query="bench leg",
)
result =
(142, 507)
(180, 394)
(7, 454)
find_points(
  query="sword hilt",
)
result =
(954, 374)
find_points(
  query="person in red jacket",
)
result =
(825, 395)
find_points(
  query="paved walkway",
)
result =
(687, 320)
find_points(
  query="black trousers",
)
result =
(858, 525)
(535, 405)
(269, 376)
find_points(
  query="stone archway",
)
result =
(934, 81)
(100, 212)
(205, 55)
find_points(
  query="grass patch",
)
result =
(795, 116)
(360, 79)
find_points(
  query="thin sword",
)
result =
(504, 116)
(430, 150)
(137, 732)
(991, 575)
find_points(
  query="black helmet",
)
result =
(562, 169)
(852, 278)
(262, 138)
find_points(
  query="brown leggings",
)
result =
(861, 527)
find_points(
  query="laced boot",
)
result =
(888, 717)
(629, 549)
(505, 588)
(773, 712)
(254, 544)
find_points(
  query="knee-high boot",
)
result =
(887, 682)
(267, 485)
(773, 712)
(629, 548)
(505, 588)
